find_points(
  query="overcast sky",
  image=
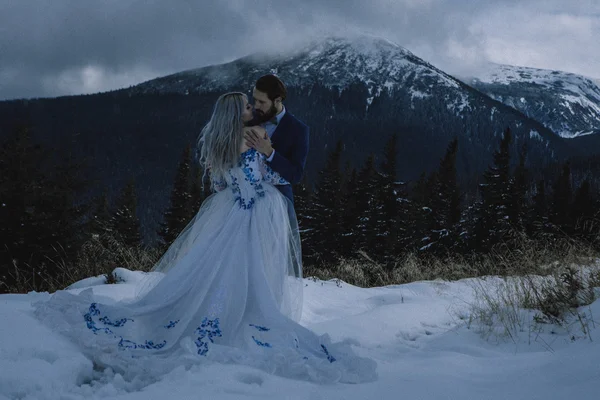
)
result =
(57, 47)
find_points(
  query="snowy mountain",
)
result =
(346, 86)
(379, 64)
(359, 90)
(567, 103)
(335, 62)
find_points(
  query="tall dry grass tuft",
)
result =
(362, 271)
(97, 256)
(502, 306)
(517, 257)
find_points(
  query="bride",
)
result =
(229, 289)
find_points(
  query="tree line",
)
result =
(47, 213)
(370, 210)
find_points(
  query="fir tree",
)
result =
(125, 220)
(350, 214)
(304, 209)
(180, 210)
(328, 224)
(493, 220)
(100, 217)
(367, 206)
(422, 219)
(584, 208)
(442, 203)
(41, 216)
(538, 215)
(446, 199)
(391, 197)
(517, 207)
(561, 200)
(435, 208)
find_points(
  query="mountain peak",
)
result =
(332, 61)
(362, 44)
(565, 102)
(505, 74)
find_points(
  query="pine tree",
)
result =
(302, 195)
(350, 214)
(304, 208)
(436, 206)
(583, 209)
(125, 220)
(179, 213)
(42, 219)
(422, 219)
(446, 199)
(100, 217)
(493, 220)
(446, 202)
(21, 183)
(517, 208)
(328, 210)
(561, 200)
(367, 206)
(538, 215)
(392, 213)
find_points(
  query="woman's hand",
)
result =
(256, 137)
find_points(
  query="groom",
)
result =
(285, 145)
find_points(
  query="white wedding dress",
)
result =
(229, 290)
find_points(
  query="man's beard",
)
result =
(260, 117)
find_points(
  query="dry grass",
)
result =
(502, 307)
(552, 278)
(98, 256)
(521, 256)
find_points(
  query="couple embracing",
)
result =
(229, 289)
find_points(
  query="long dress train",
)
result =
(229, 289)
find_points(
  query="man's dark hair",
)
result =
(272, 86)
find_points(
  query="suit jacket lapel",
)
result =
(281, 127)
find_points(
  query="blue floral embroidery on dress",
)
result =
(89, 321)
(117, 323)
(171, 324)
(204, 330)
(94, 311)
(329, 356)
(123, 343)
(246, 159)
(263, 344)
(260, 328)
(273, 177)
(148, 345)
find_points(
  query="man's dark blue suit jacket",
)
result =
(290, 141)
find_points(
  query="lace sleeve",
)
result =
(218, 185)
(269, 175)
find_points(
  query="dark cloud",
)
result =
(69, 46)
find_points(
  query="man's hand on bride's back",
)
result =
(257, 138)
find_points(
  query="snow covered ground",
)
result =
(418, 334)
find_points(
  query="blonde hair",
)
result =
(221, 138)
